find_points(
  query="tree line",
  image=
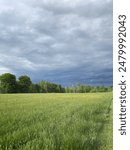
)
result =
(9, 84)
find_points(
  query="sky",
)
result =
(62, 41)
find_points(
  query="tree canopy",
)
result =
(9, 84)
(24, 84)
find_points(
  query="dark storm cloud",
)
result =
(62, 41)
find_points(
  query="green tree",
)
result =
(109, 89)
(93, 89)
(24, 84)
(60, 89)
(34, 88)
(43, 86)
(8, 83)
(48, 87)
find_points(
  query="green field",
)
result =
(56, 121)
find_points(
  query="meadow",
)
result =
(56, 121)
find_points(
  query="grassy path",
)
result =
(104, 138)
(108, 130)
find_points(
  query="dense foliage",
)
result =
(9, 84)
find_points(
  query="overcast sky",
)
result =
(63, 41)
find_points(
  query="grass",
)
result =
(56, 121)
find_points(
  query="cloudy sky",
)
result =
(62, 41)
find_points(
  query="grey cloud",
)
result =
(56, 36)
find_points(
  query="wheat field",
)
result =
(56, 121)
